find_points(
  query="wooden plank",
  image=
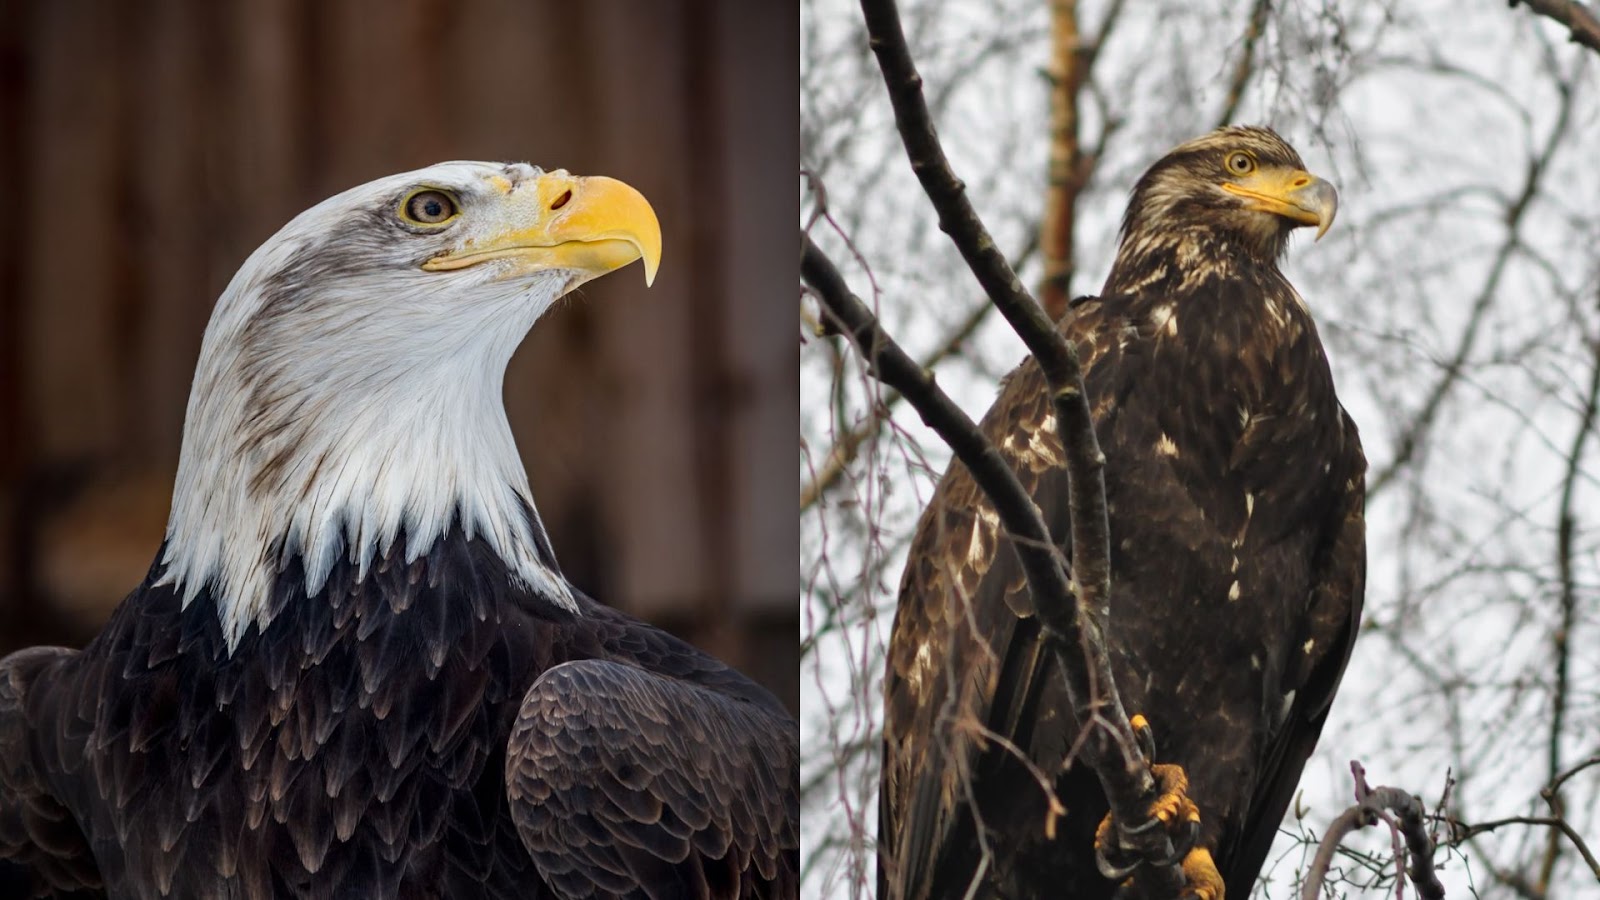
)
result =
(757, 46)
(516, 86)
(73, 145)
(381, 93)
(14, 102)
(16, 444)
(260, 145)
(651, 498)
(169, 194)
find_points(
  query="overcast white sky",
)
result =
(1427, 116)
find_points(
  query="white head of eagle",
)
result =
(348, 391)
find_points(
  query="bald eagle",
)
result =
(1234, 483)
(355, 669)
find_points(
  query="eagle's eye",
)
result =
(1240, 163)
(429, 206)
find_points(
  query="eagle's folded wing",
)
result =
(36, 830)
(626, 783)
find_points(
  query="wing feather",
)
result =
(36, 829)
(625, 783)
(1333, 619)
(956, 665)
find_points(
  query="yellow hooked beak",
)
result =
(589, 225)
(1295, 194)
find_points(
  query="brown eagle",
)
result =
(1235, 485)
(355, 668)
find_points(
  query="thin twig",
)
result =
(1566, 524)
(845, 450)
(1054, 809)
(1415, 434)
(1470, 831)
(1561, 779)
(1245, 67)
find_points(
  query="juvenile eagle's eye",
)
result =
(1240, 163)
(429, 207)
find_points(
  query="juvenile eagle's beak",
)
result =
(1295, 194)
(590, 225)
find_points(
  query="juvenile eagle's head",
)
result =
(349, 385)
(1234, 191)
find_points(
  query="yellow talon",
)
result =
(1204, 881)
(1174, 804)
(1179, 817)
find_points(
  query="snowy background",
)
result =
(1459, 298)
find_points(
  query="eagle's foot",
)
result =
(1173, 809)
(1172, 812)
(1203, 881)
(1175, 814)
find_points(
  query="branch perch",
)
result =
(1374, 805)
(1123, 771)
(1076, 618)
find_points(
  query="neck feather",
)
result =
(1178, 260)
(321, 455)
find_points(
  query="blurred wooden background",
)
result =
(149, 147)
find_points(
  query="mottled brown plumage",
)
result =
(1235, 486)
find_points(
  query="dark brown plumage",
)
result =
(1235, 487)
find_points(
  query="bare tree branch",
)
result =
(1565, 526)
(845, 449)
(1245, 66)
(1415, 434)
(1372, 805)
(1561, 779)
(1066, 174)
(1582, 26)
(1467, 832)
(1112, 751)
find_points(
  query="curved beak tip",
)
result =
(1325, 203)
(631, 216)
(651, 257)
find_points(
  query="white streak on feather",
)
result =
(1043, 447)
(1164, 318)
(975, 555)
(920, 666)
